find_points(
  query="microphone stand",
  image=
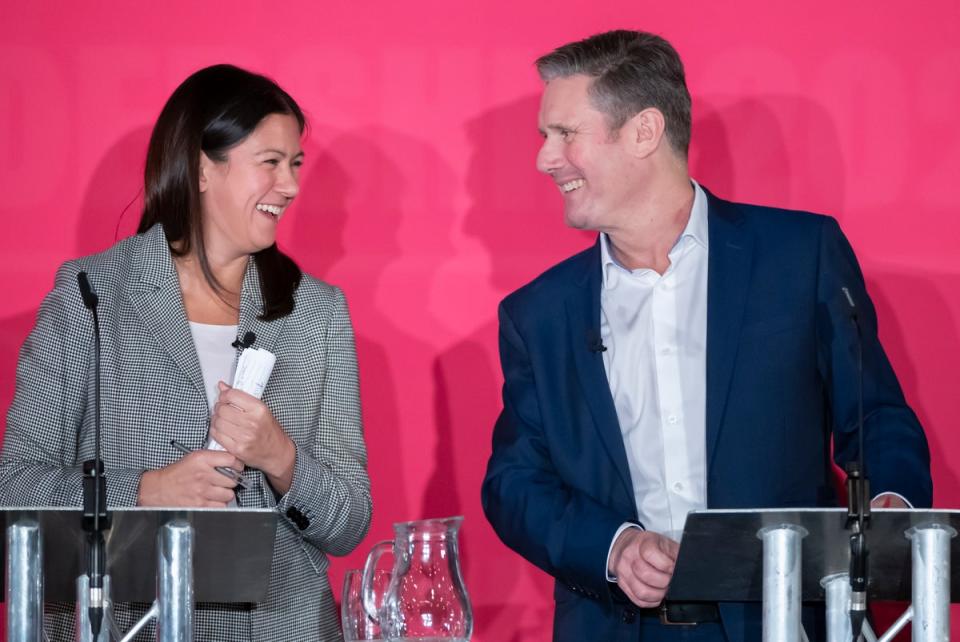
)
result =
(96, 518)
(858, 500)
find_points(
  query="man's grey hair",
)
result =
(632, 71)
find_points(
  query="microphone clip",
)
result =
(245, 342)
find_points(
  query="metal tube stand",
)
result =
(175, 582)
(930, 545)
(24, 582)
(837, 589)
(781, 582)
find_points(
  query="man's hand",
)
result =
(244, 425)
(192, 482)
(888, 500)
(643, 563)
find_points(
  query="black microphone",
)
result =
(95, 518)
(89, 297)
(245, 342)
(595, 342)
(858, 497)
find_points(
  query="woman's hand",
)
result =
(191, 482)
(244, 425)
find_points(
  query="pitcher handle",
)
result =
(366, 583)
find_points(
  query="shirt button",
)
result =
(672, 419)
(678, 487)
(666, 350)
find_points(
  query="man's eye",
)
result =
(566, 134)
(272, 161)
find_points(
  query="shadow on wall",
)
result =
(915, 299)
(110, 211)
(372, 208)
(769, 150)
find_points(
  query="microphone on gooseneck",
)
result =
(858, 496)
(95, 517)
(595, 342)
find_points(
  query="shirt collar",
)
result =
(696, 230)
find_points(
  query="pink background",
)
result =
(420, 198)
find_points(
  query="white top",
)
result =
(655, 330)
(216, 354)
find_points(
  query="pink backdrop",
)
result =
(420, 198)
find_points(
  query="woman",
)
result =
(222, 168)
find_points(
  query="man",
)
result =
(699, 355)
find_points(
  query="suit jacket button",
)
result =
(628, 616)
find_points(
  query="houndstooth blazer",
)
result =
(152, 392)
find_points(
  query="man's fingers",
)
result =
(657, 558)
(650, 576)
(670, 547)
(639, 593)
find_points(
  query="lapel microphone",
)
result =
(245, 342)
(595, 342)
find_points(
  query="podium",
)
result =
(170, 557)
(784, 557)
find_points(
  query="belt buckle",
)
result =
(665, 617)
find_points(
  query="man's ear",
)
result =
(646, 131)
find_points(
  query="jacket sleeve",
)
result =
(330, 493)
(554, 526)
(48, 417)
(896, 455)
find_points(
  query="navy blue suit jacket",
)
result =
(781, 381)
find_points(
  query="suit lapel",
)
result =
(731, 255)
(583, 314)
(154, 291)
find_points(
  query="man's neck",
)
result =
(651, 231)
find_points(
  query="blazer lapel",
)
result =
(731, 254)
(583, 314)
(154, 290)
(251, 306)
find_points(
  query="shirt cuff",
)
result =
(623, 527)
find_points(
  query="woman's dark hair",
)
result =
(213, 110)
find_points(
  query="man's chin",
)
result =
(575, 221)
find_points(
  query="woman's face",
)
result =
(244, 197)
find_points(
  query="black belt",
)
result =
(683, 613)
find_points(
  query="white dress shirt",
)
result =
(654, 328)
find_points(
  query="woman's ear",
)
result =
(205, 164)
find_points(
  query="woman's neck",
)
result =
(203, 303)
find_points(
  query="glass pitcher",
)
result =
(426, 598)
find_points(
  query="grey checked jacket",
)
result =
(152, 392)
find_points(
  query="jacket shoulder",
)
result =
(548, 291)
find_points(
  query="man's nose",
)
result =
(549, 158)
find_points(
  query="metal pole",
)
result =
(930, 545)
(837, 588)
(781, 582)
(82, 618)
(175, 582)
(24, 582)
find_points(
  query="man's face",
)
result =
(590, 164)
